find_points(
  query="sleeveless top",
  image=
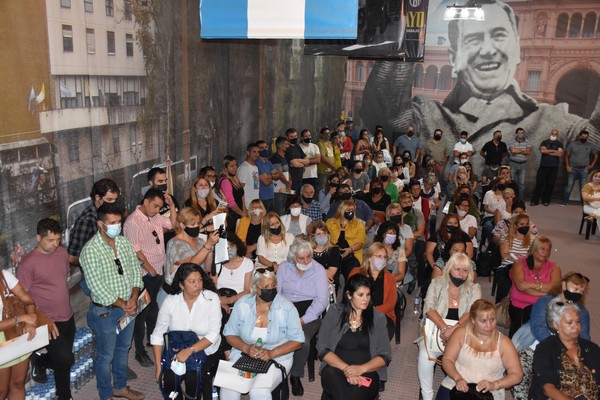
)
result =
(476, 366)
(521, 299)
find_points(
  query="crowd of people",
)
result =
(318, 236)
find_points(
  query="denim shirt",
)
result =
(284, 324)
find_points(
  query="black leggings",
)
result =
(335, 386)
(518, 316)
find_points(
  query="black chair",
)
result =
(312, 357)
(591, 223)
(399, 311)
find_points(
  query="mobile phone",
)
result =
(365, 381)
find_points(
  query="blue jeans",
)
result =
(518, 174)
(578, 174)
(110, 348)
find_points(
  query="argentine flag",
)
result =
(279, 19)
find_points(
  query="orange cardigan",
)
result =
(390, 293)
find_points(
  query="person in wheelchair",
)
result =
(190, 321)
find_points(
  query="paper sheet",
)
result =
(17, 347)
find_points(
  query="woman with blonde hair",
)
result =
(458, 179)
(249, 227)
(274, 243)
(449, 297)
(348, 233)
(325, 253)
(477, 356)
(384, 174)
(202, 198)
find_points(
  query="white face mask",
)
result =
(461, 213)
(553, 138)
(379, 263)
(256, 212)
(212, 184)
(177, 367)
(303, 267)
(295, 211)
(202, 193)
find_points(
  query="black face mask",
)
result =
(582, 140)
(376, 190)
(407, 209)
(275, 231)
(268, 295)
(345, 196)
(307, 200)
(451, 229)
(384, 178)
(293, 141)
(358, 170)
(570, 296)
(306, 140)
(396, 219)
(162, 188)
(457, 281)
(437, 137)
(499, 138)
(193, 232)
(501, 186)
(264, 153)
(349, 215)
(410, 134)
(523, 230)
(406, 159)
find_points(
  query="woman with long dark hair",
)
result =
(353, 345)
(231, 189)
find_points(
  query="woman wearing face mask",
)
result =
(409, 168)
(233, 277)
(384, 293)
(186, 247)
(359, 179)
(295, 222)
(448, 297)
(249, 227)
(509, 196)
(458, 179)
(384, 175)
(202, 199)
(379, 161)
(532, 277)
(370, 169)
(501, 229)
(324, 252)
(380, 142)
(349, 234)
(264, 315)
(395, 178)
(492, 201)
(230, 188)
(388, 235)
(467, 222)
(590, 194)
(464, 191)
(434, 248)
(474, 180)
(378, 200)
(456, 244)
(393, 213)
(274, 242)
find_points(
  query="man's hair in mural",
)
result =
(155, 171)
(109, 208)
(48, 225)
(104, 186)
(153, 193)
(453, 33)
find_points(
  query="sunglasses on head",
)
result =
(259, 271)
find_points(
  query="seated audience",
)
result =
(273, 245)
(249, 226)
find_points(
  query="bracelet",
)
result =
(459, 324)
(17, 323)
(207, 248)
(445, 328)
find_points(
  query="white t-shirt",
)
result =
(274, 252)
(404, 232)
(248, 175)
(11, 281)
(469, 222)
(311, 150)
(462, 148)
(493, 202)
(234, 278)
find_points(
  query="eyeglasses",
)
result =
(156, 237)
(119, 266)
(259, 271)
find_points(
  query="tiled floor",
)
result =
(571, 251)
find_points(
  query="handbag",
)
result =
(471, 394)
(432, 337)
(251, 364)
(13, 307)
(502, 316)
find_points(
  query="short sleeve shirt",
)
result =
(311, 151)
(265, 192)
(248, 175)
(294, 153)
(493, 153)
(581, 154)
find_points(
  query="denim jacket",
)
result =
(284, 324)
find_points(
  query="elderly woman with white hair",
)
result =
(264, 315)
(565, 365)
(304, 282)
(449, 298)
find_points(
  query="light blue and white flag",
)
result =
(279, 19)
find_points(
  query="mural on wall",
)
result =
(529, 65)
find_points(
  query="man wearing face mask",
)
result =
(551, 150)
(248, 174)
(580, 158)
(313, 155)
(462, 146)
(113, 275)
(409, 142)
(519, 149)
(345, 145)
(363, 211)
(157, 178)
(495, 150)
(310, 207)
(304, 282)
(437, 149)
(266, 174)
(282, 182)
(296, 159)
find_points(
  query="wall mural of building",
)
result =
(559, 63)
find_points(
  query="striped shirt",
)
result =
(102, 273)
(143, 232)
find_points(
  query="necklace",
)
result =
(355, 325)
(262, 313)
(453, 300)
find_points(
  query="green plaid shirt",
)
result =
(101, 272)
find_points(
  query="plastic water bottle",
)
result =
(417, 302)
(215, 394)
(259, 344)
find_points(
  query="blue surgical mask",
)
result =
(112, 231)
(322, 239)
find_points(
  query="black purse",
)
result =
(251, 364)
(471, 394)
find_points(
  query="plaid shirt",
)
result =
(313, 211)
(101, 271)
(85, 227)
